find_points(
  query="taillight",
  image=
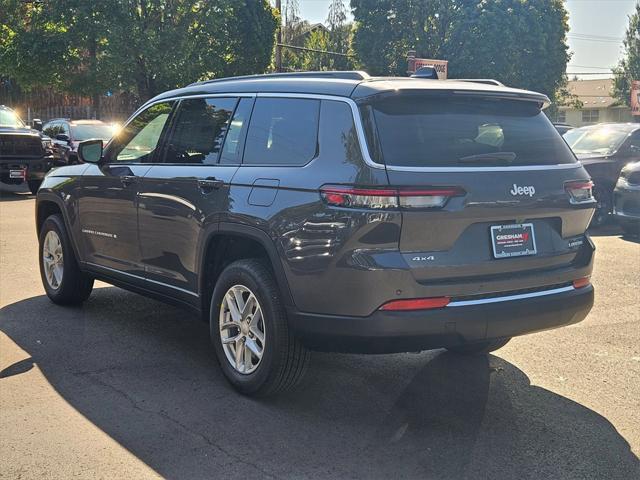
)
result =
(580, 191)
(581, 282)
(388, 198)
(415, 304)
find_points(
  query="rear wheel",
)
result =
(34, 185)
(481, 348)
(63, 281)
(257, 351)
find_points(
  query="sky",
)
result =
(595, 36)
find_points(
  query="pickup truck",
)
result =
(25, 153)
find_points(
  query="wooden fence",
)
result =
(46, 104)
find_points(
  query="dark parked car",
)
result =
(25, 153)
(67, 134)
(626, 198)
(330, 211)
(604, 149)
(563, 128)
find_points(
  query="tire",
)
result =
(481, 348)
(71, 286)
(34, 185)
(604, 197)
(283, 360)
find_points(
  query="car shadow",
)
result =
(612, 229)
(144, 373)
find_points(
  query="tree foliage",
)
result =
(339, 35)
(629, 67)
(140, 46)
(519, 42)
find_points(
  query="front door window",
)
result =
(138, 141)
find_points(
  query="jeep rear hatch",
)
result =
(515, 198)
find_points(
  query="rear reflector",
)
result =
(580, 191)
(581, 282)
(416, 304)
(388, 198)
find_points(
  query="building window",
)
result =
(561, 116)
(591, 116)
(620, 115)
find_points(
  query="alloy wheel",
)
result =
(242, 329)
(53, 259)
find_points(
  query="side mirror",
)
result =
(37, 124)
(634, 150)
(90, 151)
(63, 137)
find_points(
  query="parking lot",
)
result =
(126, 387)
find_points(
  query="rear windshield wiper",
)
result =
(502, 157)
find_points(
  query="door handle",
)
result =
(209, 183)
(127, 180)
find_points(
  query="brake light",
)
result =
(581, 282)
(388, 198)
(580, 191)
(415, 304)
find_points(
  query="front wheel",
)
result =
(481, 348)
(257, 351)
(63, 281)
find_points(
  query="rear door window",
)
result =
(200, 127)
(445, 131)
(232, 149)
(283, 131)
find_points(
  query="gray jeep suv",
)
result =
(331, 211)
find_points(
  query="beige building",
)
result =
(598, 104)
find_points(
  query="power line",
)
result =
(589, 66)
(305, 49)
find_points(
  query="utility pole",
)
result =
(279, 39)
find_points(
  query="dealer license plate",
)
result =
(514, 240)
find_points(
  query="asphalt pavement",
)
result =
(127, 387)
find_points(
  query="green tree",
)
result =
(339, 35)
(629, 67)
(317, 40)
(519, 42)
(137, 46)
(293, 34)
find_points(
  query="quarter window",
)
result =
(283, 131)
(138, 141)
(200, 127)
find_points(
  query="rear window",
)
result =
(428, 131)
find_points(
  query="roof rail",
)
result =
(486, 81)
(341, 74)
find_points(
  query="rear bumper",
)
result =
(36, 168)
(389, 332)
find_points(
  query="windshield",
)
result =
(442, 131)
(87, 131)
(603, 140)
(8, 118)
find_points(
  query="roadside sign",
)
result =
(440, 66)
